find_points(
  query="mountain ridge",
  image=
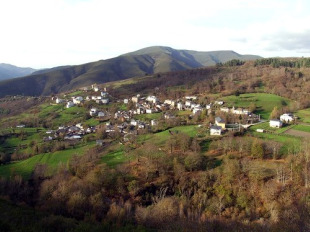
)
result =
(8, 71)
(146, 61)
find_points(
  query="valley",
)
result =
(201, 149)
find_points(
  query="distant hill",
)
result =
(146, 61)
(8, 71)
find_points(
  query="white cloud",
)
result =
(48, 33)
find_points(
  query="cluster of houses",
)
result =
(233, 110)
(74, 132)
(284, 118)
(103, 98)
(151, 104)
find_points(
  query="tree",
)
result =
(252, 107)
(257, 150)
(275, 113)
(193, 161)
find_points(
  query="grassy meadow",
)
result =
(264, 102)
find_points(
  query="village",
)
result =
(124, 123)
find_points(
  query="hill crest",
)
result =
(150, 60)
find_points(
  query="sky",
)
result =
(49, 33)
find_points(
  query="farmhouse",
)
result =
(215, 130)
(104, 94)
(93, 111)
(149, 111)
(77, 100)
(219, 102)
(58, 100)
(275, 123)
(135, 99)
(101, 114)
(152, 99)
(220, 122)
(287, 117)
(180, 106)
(197, 109)
(69, 104)
(224, 109)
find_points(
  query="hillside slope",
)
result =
(145, 61)
(8, 71)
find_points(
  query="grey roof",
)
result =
(219, 119)
(216, 127)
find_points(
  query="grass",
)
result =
(15, 140)
(91, 122)
(184, 113)
(160, 137)
(148, 117)
(290, 143)
(76, 93)
(26, 167)
(302, 128)
(269, 129)
(304, 115)
(114, 158)
(264, 102)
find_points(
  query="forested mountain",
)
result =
(146, 61)
(8, 71)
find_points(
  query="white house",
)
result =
(93, 111)
(197, 109)
(180, 106)
(135, 99)
(152, 99)
(105, 101)
(96, 88)
(79, 125)
(58, 100)
(208, 106)
(240, 111)
(219, 102)
(126, 101)
(69, 104)
(224, 109)
(104, 94)
(215, 130)
(141, 125)
(77, 100)
(190, 97)
(101, 114)
(276, 123)
(188, 103)
(140, 110)
(169, 102)
(133, 122)
(149, 111)
(287, 117)
(153, 122)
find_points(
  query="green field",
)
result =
(25, 167)
(61, 115)
(160, 137)
(290, 143)
(114, 158)
(300, 127)
(267, 128)
(16, 140)
(304, 115)
(264, 102)
(148, 117)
